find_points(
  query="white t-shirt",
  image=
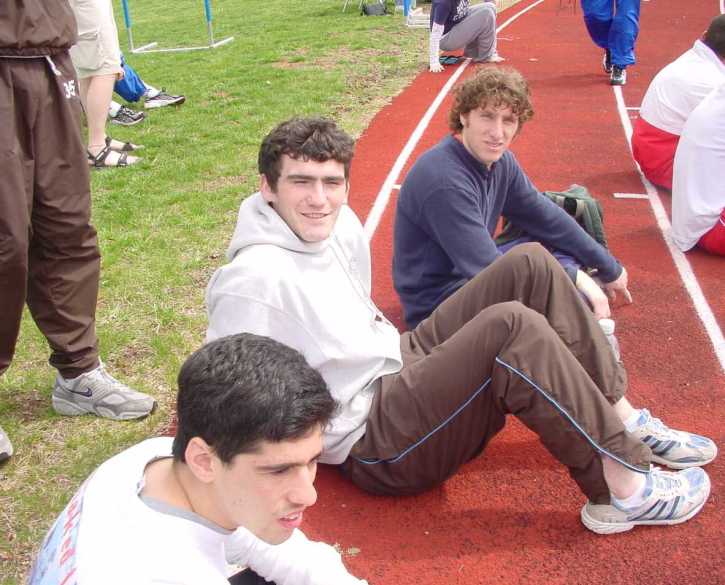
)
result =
(698, 183)
(107, 534)
(680, 86)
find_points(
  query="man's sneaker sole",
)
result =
(150, 104)
(68, 408)
(127, 122)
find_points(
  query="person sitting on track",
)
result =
(517, 339)
(673, 94)
(453, 25)
(235, 479)
(454, 195)
(698, 190)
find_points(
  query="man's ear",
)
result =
(463, 119)
(201, 460)
(266, 190)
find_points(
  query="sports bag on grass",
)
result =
(374, 9)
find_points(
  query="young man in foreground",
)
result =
(517, 339)
(236, 478)
(454, 196)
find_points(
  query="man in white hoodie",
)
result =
(234, 481)
(414, 407)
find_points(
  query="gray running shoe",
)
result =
(675, 449)
(618, 76)
(99, 393)
(6, 447)
(670, 498)
(127, 117)
(163, 99)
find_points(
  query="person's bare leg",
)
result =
(622, 482)
(96, 94)
(624, 408)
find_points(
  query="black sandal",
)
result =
(126, 147)
(99, 161)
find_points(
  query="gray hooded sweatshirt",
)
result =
(314, 297)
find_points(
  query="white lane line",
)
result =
(383, 196)
(631, 196)
(704, 312)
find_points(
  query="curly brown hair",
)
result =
(494, 86)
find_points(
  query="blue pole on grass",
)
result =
(406, 7)
(127, 20)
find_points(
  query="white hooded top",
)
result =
(677, 89)
(698, 180)
(315, 298)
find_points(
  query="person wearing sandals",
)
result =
(49, 254)
(97, 59)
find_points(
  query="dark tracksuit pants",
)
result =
(49, 255)
(519, 340)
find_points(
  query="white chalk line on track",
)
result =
(383, 197)
(704, 312)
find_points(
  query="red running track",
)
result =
(512, 515)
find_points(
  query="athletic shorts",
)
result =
(97, 51)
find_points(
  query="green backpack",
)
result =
(577, 202)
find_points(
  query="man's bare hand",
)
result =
(436, 67)
(620, 285)
(594, 294)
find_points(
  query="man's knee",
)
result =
(531, 256)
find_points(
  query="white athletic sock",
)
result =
(636, 499)
(113, 109)
(634, 420)
(151, 91)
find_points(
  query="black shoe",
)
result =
(619, 76)
(607, 61)
(128, 117)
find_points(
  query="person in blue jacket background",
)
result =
(613, 25)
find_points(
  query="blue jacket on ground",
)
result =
(447, 212)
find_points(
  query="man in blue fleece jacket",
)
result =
(453, 197)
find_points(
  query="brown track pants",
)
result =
(48, 250)
(517, 340)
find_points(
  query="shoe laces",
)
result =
(666, 484)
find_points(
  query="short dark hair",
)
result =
(491, 86)
(317, 139)
(237, 391)
(714, 36)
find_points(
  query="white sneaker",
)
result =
(99, 393)
(675, 449)
(162, 99)
(670, 498)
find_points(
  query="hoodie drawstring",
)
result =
(53, 68)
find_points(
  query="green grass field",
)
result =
(164, 224)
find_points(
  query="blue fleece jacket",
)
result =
(448, 13)
(446, 215)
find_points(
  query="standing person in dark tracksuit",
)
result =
(613, 25)
(49, 254)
